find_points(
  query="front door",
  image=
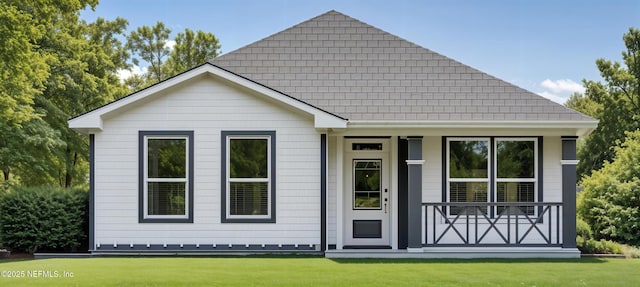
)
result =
(367, 197)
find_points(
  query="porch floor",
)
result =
(458, 252)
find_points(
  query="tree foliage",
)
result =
(192, 49)
(616, 103)
(610, 201)
(151, 45)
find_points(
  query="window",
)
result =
(248, 168)
(166, 176)
(476, 165)
(468, 172)
(516, 172)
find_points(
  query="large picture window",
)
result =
(492, 170)
(249, 181)
(166, 176)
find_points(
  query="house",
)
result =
(334, 137)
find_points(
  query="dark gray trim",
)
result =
(492, 175)
(414, 210)
(540, 171)
(223, 173)
(569, 179)
(323, 192)
(367, 137)
(444, 170)
(366, 247)
(205, 247)
(569, 148)
(403, 193)
(141, 135)
(92, 190)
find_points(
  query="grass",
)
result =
(316, 271)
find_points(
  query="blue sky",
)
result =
(544, 46)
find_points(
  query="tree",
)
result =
(610, 201)
(84, 59)
(616, 103)
(25, 68)
(192, 49)
(150, 45)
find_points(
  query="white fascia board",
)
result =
(92, 121)
(581, 127)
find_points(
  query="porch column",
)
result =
(414, 207)
(569, 180)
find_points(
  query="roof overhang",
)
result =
(581, 128)
(92, 122)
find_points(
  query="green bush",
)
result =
(591, 246)
(583, 229)
(43, 218)
(610, 202)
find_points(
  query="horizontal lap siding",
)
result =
(208, 106)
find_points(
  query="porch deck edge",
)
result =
(458, 253)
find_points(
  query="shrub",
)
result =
(43, 218)
(583, 229)
(610, 202)
(591, 246)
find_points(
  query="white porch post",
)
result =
(414, 209)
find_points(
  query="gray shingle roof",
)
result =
(362, 73)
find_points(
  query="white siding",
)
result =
(207, 106)
(432, 169)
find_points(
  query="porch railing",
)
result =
(497, 224)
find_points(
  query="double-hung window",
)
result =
(248, 168)
(516, 171)
(166, 176)
(492, 169)
(468, 171)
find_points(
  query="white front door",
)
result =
(367, 194)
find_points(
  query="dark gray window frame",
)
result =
(141, 172)
(223, 173)
(492, 180)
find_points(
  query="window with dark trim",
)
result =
(166, 176)
(492, 169)
(248, 171)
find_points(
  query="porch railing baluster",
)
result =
(446, 228)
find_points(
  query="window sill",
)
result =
(165, 220)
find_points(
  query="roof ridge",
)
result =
(357, 70)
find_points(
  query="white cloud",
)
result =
(559, 91)
(562, 86)
(556, 98)
(169, 44)
(135, 70)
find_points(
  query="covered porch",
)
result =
(422, 226)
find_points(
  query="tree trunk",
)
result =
(6, 173)
(67, 180)
(69, 177)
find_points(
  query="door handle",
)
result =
(385, 205)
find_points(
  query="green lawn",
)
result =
(315, 271)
